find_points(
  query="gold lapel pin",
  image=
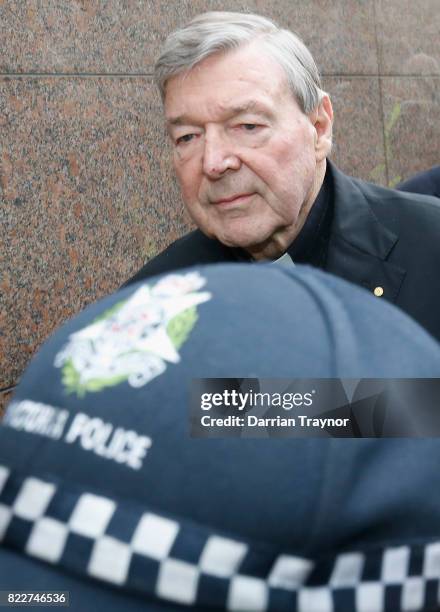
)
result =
(378, 291)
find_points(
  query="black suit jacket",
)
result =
(380, 239)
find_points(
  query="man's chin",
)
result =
(240, 235)
(241, 240)
(259, 245)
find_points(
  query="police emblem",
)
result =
(135, 339)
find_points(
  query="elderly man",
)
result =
(251, 129)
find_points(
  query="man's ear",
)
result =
(322, 120)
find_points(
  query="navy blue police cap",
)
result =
(104, 494)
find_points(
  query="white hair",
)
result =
(220, 32)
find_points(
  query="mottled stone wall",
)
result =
(86, 191)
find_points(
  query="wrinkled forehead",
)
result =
(228, 74)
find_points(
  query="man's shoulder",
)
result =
(401, 209)
(191, 249)
(387, 194)
(390, 205)
(427, 182)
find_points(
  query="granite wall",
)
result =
(86, 191)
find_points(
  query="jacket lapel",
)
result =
(360, 246)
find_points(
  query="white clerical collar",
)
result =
(284, 260)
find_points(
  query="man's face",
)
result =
(247, 158)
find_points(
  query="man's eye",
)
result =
(184, 138)
(248, 127)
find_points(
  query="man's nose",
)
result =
(219, 156)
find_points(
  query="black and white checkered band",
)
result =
(175, 560)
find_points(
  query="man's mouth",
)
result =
(235, 199)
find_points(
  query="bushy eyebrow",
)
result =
(250, 106)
